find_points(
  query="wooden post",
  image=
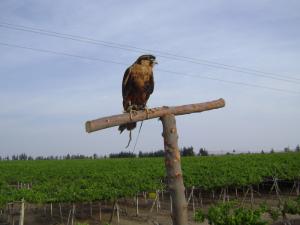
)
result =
(100, 213)
(118, 213)
(73, 214)
(69, 216)
(172, 155)
(137, 204)
(173, 169)
(91, 209)
(22, 212)
(171, 205)
(60, 213)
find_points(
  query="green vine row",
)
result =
(106, 179)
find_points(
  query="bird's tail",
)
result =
(129, 127)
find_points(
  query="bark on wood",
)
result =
(173, 169)
(117, 120)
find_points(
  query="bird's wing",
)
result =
(149, 87)
(126, 83)
(151, 84)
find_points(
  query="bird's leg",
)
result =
(132, 111)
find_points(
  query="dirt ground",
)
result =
(40, 215)
(87, 215)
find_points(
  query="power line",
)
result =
(141, 50)
(61, 53)
(161, 70)
(228, 81)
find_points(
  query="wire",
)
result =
(161, 70)
(62, 53)
(137, 138)
(228, 81)
(160, 53)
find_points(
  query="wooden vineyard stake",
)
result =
(172, 154)
(171, 204)
(191, 194)
(22, 212)
(118, 212)
(73, 214)
(69, 216)
(100, 212)
(60, 213)
(137, 204)
(91, 209)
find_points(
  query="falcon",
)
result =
(137, 86)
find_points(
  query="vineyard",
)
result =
(90, 180)
(73, 181)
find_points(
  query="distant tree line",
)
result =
(185, 151)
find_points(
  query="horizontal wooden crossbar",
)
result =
(116, 120)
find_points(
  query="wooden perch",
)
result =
(172, 155)
(116, 120)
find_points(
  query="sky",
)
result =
(51, 85)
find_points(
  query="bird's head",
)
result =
(147, 60)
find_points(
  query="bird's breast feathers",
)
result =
(141, 74)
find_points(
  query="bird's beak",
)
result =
(154, 62)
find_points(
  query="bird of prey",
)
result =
(137, 86)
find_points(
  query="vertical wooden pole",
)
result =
(193, 202)
(91, 209)
(137, 204)
(22, 212)
(118, 213)
(100, 213)
(173, 169)
(73, 214)
(171, 204)
(60, 213)
(69, 216)
(157, 202)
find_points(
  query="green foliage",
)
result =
(91, 180)
(263, 207)
(231, 214)
(291, 207)
(199, 216)
(274, 213)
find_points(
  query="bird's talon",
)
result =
(147, 112)
(132, 113)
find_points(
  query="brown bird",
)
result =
(137, 86)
